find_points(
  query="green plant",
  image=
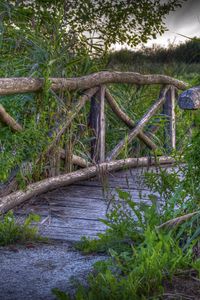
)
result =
(12, 232)
(142, 256)
(137, 273)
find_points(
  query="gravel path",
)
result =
(31, 271)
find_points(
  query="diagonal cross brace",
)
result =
(140, 125)
(130, 123)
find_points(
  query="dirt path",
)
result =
(30, 272)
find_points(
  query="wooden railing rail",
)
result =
(9, 86)
(93, 88)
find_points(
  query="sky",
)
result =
(185, 21)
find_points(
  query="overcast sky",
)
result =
(185, 21)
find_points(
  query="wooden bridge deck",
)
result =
(72, 212)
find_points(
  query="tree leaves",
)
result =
(126, 21)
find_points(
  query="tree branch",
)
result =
(52, 183)
(140, 125)
(130, 123)
(8, 120)
(10, 86)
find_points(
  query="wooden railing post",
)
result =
(97, 124)
(170, 127)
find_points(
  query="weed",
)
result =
(12, 232)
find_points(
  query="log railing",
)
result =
(93, 88)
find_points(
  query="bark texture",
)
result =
(10, 86)
(140, 125)
(130, 123)
(8, 120)
(190, 99)
(43, 186)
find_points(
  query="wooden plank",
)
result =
(65, 212)
(65, 236)
(92, 193)
(77, 223)
(69, 213)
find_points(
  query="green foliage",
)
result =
(137, 273)
(126, 221)
(192, 169)
(93, 25)
(141, 256)
(12, 232)
(188, 53)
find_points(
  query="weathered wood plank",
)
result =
(68, 223)
(95, 192)
(38, 188)
(69, 213)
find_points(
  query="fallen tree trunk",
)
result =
(10, 86)
(52, 183)
(8, 120)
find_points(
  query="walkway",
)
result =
(71, 212)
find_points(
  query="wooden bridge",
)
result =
(71, 202)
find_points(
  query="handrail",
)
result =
(93, 87)
(9, 86)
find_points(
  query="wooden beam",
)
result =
(130, 123)
(10, 86)
(94, 125)
(97, 124)
(76, 160)
(190, 99)
(8, 120)
(140, 125)
(102, 137)
(10, 201)
(170, 127)
(71, 115)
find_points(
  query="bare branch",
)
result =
(8, 120)
(10, 86)
(35, 189)
(140, 125)
(125, 118)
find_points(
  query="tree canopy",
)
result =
(92, 23)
